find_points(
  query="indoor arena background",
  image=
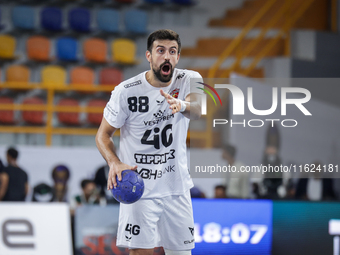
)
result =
(59, 61)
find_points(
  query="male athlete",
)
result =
(152, 111)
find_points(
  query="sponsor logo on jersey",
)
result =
(189, 241)
(174, 93)
(192, 230)
(131, 230)
(154, 158)
(180, 76)
(129, 85)
(155, 174)
(158, 117)
(159, 102)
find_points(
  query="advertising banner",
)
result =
(35, 229)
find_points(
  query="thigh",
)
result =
(141, 252)
(137, 227)
(176, 225)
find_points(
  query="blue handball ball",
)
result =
(130, 189)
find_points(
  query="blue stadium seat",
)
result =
(108, 20)
(67, 49)
(79, 19)
(51, 18)
(23, 17)
(154, 1)
(183, 2)
(136, 21)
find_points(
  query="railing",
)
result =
(284, 10)
(334, 16)
(48, 129)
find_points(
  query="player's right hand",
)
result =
(116, 170)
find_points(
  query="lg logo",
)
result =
(17, 228)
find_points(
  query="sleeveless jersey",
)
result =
(151, 137)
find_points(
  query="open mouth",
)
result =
(166, 68)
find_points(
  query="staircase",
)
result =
(240, 17)
(267, 16)
(274, 19)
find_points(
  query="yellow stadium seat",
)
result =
(17, 73)
(124, 51)
(53, 76)
(7, 46)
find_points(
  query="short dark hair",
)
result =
(60, 168)
(85, 182)
(221, 187)
(230, 149)
(13, 153)
(163, 34)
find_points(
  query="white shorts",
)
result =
(149, 223)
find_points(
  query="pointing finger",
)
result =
(166, 95)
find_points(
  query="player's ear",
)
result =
(178, 55)
(148, 56)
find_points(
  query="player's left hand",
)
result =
(175, 104)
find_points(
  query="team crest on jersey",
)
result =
(174, 93)
(180, 76)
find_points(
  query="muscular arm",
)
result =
(192, 103)
(107, 149)
(3, 185)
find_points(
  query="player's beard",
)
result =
(160, 76)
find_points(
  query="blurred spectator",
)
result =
(336, 188)
(255, 192)
(272, 179)
(42, 193)
(273, 136)
(60, 175)
(2, 167)
(238, 183)
(315, 188)
(220, 191)
(14, 180)
(196, 193)
(101, 181)
(90, 195)
(290, 188)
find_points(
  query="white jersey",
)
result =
(151, 137)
